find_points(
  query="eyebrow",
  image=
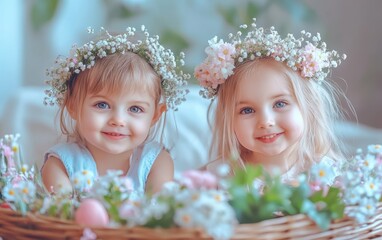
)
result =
(137, 102)
(140, 103)
(282, 95)
(273, 97)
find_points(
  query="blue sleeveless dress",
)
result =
(76, 157)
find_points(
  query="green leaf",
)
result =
(267, 210)
(66, 211)
(299, 194)
(42, 11)
(332, 202)
(52, 211)
(245, 177)
(323, 208)
(241, 200)
(114, 213)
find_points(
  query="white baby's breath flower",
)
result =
(162, 60)
(313, 63)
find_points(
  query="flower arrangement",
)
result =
(363, 183)
(177, 204)
(193, 201)
(10, 152)
(111, 202)
(200, 199)
(315, 198)
(307, 55)
(161, 59)
(17, 180)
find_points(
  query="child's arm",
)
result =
(161, 172)
(54, 176)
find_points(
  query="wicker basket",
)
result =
(34, 226)
(301, 227)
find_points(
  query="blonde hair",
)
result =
(318, 103)
(113, 73)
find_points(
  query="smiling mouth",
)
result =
(269, 138)
(114, 134)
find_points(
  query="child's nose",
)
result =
(266, 120)
(118, 119)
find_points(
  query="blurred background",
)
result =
(34, 32)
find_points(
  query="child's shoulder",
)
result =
(69, 153)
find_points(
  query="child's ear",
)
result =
(158, 113)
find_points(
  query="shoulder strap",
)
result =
(141, 162)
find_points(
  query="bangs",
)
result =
(252, 68)
(123, 72)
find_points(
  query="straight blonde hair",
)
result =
(318, 103)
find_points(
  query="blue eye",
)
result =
(280, 104)
(246, 110)
(135, 109)
(102, 105)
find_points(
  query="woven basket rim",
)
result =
(34, 225)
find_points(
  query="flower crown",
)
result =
(162, 60)
(307, 55)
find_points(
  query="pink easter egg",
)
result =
(91, 213)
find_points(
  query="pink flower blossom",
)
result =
(8, 153)
(224, 51)
(309, 68)
(16, 180)
(195, 179)
(218, 65)
(315, 186)
(379, 159)
(314, 61)
(203, 74)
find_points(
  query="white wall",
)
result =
(11, 49)
(354, 27)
